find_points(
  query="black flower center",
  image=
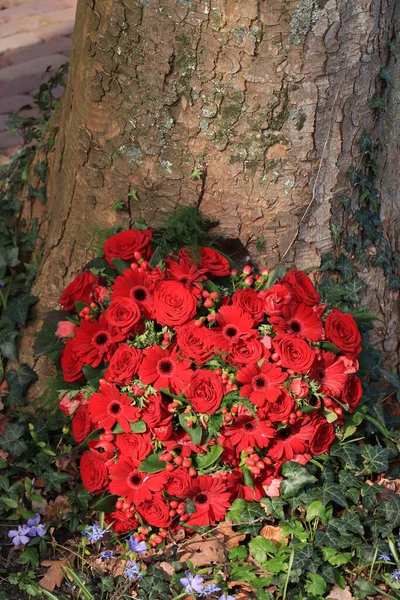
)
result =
(231, 331)
(139, 294)
(115, 408)
(201, 499)
(135, 479)
(101, 338)
(285, 433)
(249, 426)
(259, 382)
(295, 326)
(321, 374)
(165, 366)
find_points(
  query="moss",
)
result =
(301, 119)
(231, 112)
(304, 17)
(215, 18)
(278, 119)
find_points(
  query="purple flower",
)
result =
(395, 575)
(94, 533)
(136, 546)
(209, 589)
(40, 530)
(228, 597)
(132, 571)
(34, 521)
(106, 554)
(192, 583)
(19, 536)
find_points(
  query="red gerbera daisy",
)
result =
(234, 324)
(95, 340)
(248, 431)
(210, 498)
(162, 369)
(261, 384)
(133, 485)
(300, 320)
(184, 270)
(330, 372)
(109, 407)
(180, 439)
(138, 287)
(290, 442)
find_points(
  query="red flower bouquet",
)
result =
(197, 383)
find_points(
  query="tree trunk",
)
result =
(267, 97)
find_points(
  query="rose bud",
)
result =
(65, 329)
(299, 387)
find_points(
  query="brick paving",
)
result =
(33, 36)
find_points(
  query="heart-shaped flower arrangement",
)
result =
(193, 383)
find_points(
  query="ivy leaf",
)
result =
(11, 439)
(259, 548)
(391, 507)
(330, 492)
(349, 521)
(204, 461)
(376, 458)
(19, 381)
(316, 585)
(348, 454)
(316, 510)
(297, 477)
(336, 558)
(152, 464)
(327, 537)
(238, 553)
(18, 307)
(246, 514)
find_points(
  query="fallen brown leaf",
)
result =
(269, 532)
(57, 509)
(225, 534)
(168, 569)
(338, 594)
(54, 576)
(203, 551)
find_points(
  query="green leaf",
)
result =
(138, 427)
(106, 504)
(316, 585)
(11, 439)
(18, 307)
(347, 453)
(349, 521)
(93, 375)
(206, 460)
(19, 381)
(238, 553)
(259, 548)
(29, 556)
(329, 347)
(316, 510)
(246, 514)
(297, 476)
(195, 432)
(365, 589)
(152, 464)
(120, 265)
(336, 558)
(376, 458)
(330, 492)
(391, 507)
(10, 502)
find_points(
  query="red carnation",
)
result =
(94, 341)
(94, 472)
(195, 342)
(211, 500)
(136, 445)
(352, 392)
(163, 369)
(323, 435)
(341, 329)
(248, 431)
(124, 364)
(275, 298)
(291, 441)
(178, 483)
(330, 372)
(133, 485)
(81, 424)
(155, 511)
(261, 384)
(295, 353)
(71, 363)
(79, 290)
(139, 287)
(247, 351)
(300, 320)
(124, 245)
(120, 522)
(174, 303)
(301, 287)
(234, 324)
(109, 407)
(123, 313)
(205, 391)
(249, 301)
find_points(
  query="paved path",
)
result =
(33, 36)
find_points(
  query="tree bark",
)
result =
(267, 97)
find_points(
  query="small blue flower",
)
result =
(209, 589)
(132, 571)
(384, 557)
(396, 575)
(94, 533)
(19, 536)
(228, 597)
(192, 583)
(107, 554)
(136, 546)
(34, 521)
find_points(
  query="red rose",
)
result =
(123, 313)
(81, 424)
(301, 287)
(134, 444)
(155, 511)
(279, 410)
(247, 351)
(323, 436)
(214, 262)
(155, 411)
(295, 353)
(163, 432)
(104, 449)
(124, 245)
(79, 290)
(94, 472)
(341, 329)
(120, 522)
(277, 296)
(124, 364)
(249, 301)
(299, 387)
(205, 391)
(71, 364)
(352, 392)
(195, 342)
(179, 483)
(174, 304)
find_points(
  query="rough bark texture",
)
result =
(261, 94)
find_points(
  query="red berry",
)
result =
(327, 402)
(234, 409)
(275, 357)
(86, 310)
(255, 471)
(152, 543)
(178, 460)
(119, 504)
(87, 317)
(129, 514)
(144, 264)
(210, 318)
(93, 305)
(169, 467)
(338, 410)
(260, 464)
(249, 462)
(137, 255)
(184, 517)
(224, 410)
(172, 513)
(205, 294)
(249, 450)
(265, 272)
(247, 269)
(180, 511)
(163, 533)
(192, 472)
(187, 410)
(299, 414)
(214, 295)
(234, 272)
(168, 457)
(249, 280)
(267, 460)
(189, 423)
(134, 266)
(208, 303)
(218, 371)
(174, 504)
(198, 322)
(126, 506)
(158, 539)
(187, 463)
